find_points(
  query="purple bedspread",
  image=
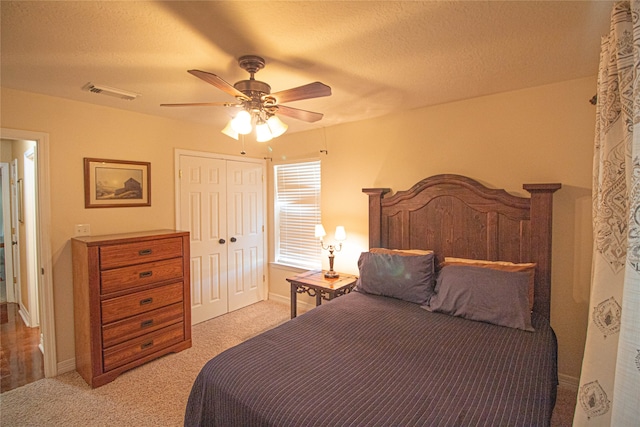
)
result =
(363, 360)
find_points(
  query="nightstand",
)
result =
(314, 284)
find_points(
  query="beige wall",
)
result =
(5, 150)
(543, 134)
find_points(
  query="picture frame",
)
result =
(116, 183)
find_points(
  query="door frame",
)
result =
(8, 247)
(43, 229)
(29, 212)
(182, 152)
(15, 231)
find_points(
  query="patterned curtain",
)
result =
(609, 393)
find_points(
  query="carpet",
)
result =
(156, 393)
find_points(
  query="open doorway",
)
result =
(7, 286)
(31, 149)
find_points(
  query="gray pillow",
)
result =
(409, 278)
(486, 295)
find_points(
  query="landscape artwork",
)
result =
(113, 183)
(116, 183)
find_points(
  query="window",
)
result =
(297, 211)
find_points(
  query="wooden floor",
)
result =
(21, 359)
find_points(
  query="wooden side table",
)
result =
(314, 284)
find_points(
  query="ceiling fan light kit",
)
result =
(258, 106)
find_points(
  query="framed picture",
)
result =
(116, 183)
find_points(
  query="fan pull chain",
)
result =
(324, 140)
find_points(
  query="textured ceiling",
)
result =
(378, 57)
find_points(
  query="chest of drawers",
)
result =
(131, 296)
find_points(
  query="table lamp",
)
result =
(340, 235)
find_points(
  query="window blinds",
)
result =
(297, 206)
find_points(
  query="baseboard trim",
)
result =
(278, 298)
(568, 382)
(24, 314)
(302, 306)
(66, 366)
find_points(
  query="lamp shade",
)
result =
(263, 134)
(340, 233)
(320, 233)
(277, 126)
(241, 123)
(228, 130)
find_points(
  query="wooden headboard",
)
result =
(457, 216)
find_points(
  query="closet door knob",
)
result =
(233, 239)
(222, 241)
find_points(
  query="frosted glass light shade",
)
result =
(277, 126)
(320, 233)
(228, 130)
(241, 123)
(340, 233)
(263, 134)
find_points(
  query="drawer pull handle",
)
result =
(145, 252)
(146, 323)
(146, 274)
(146, 345)
(146, 301)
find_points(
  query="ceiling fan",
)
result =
(257, 103)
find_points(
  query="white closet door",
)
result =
(203, 210)
(222, 206)
(246, 230)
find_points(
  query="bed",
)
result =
(394, 354)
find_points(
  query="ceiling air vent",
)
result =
(111, 91)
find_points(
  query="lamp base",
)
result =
(331, 274)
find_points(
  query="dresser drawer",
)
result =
(126, 329)
(119, 279)
(118, 308)
(121, 255)
(136, 348)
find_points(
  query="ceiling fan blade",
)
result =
(201, 104)
(311, 90)
(219, 83)
(307, 116)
